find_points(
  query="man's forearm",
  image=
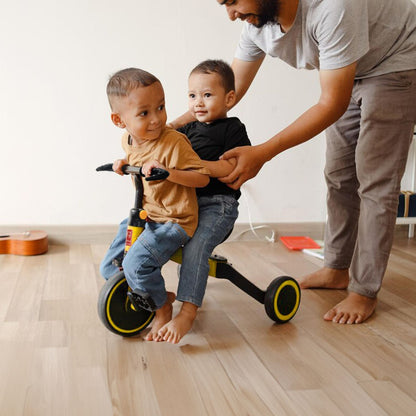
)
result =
(181, 120)
(308, 125)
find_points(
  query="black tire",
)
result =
(282, 299)
(115, 309)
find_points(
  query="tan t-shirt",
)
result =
(164, 200)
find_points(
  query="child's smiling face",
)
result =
(207, 99)
(142, 113)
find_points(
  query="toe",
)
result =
(149, 337)
(167, 335)
(352, 319)
(330, 315)
(341, 318)
(162, 332)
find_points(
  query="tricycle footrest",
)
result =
(141, 300)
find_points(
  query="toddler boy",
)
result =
(211, 94)
(137, 103)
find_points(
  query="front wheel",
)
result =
(282, 299)
(117, 312)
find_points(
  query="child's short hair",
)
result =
(220, 67)
(123, 82)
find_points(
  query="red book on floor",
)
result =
(299, 242)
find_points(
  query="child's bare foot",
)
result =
(162, 316)
(179, 326)
(325, 278)
(355, 309)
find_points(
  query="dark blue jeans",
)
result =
(217, 215)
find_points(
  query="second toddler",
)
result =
(211, 94)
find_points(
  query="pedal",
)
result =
(118, 262)
(141, 300)
(217, 257)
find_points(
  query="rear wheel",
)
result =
(117, 312)
(282, 299)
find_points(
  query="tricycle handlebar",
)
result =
(157, 173)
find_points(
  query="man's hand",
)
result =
(250, 159)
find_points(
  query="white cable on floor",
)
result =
(253, 229)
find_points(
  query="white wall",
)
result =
(56, 57)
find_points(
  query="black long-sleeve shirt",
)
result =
(210, 141)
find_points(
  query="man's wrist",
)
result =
(268, 151)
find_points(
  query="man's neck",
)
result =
(287, 14)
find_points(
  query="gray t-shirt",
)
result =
(330, 34)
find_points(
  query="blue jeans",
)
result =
(143, 263)
(217, 215)
(115, 251)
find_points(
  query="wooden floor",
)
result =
(58, 359)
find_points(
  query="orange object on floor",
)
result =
(299, 242)
(29, 243)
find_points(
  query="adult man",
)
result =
(365, 51)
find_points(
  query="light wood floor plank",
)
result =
(314, 403)
(129, 378)
(390, 397)
(26, 296)
(174, 384)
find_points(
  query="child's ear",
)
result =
(230, 99)
(116, 119)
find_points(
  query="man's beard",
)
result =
(268, 11)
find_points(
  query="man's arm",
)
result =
(185, 118)
(244, 73)
(336, 89)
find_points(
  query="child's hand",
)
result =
(117, 165)
(220, 168)
(232, 161)
(148, 166)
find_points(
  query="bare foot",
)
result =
(162, 316)
(325, 278)
(179, 326)
(355, 309)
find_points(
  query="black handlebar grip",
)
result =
(107, 167)
(156, 174)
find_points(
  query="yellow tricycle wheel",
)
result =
(282, 299)
(116, 311)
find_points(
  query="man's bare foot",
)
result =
(325, 278)
(179, 326)
(162, 316)
(355, 309)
